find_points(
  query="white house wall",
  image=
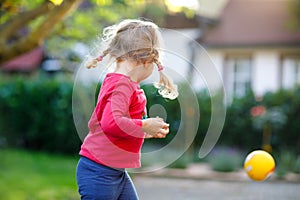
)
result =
(210, 67)
(178, 50)
(265, 69)
(266, 66)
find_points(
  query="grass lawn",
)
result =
(37, 176)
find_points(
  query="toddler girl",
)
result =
(117, 128)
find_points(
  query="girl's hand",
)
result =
(155, 128)
(158, 135)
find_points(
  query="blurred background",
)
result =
(253, 44)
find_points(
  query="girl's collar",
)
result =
(123, 75)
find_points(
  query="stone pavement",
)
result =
(200, 182)
(203, 171)
(152, 188)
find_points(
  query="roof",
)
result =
(26, 62)
(210, 8)
(179, 21)
(252, 23)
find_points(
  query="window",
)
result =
(238, 75)
(290, 72)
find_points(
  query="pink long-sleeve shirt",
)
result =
(115, 133)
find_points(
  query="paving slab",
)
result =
(150, 188)
(199, 181)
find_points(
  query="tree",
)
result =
(51, 12)
(294, 9)
(25, 25)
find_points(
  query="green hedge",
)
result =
(239, 130)
(289, 100)
(36, 113)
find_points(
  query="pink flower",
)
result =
(258, 111)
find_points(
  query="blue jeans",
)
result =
(99, 182)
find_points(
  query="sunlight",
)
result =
(56, 2)
(176, 5)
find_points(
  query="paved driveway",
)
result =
(156, 188)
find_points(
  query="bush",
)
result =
(296, 168)
(239, 130)
(36, 113)
(289, 100)
(287, 161)
(225, 159)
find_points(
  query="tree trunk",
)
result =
(53, 15)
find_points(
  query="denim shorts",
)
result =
(99, 182)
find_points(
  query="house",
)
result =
(233, 44)
(26, 63)
(252, 47)
(30, 62)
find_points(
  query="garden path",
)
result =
(150, 188)
(198, 181)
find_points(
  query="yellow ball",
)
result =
(259, 165)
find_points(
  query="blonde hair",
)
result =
(139, 41)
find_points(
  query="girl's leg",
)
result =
(128, 191)
(97, 182)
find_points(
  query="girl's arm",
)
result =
(117, 122)
(115, 118)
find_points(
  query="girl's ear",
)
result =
(146, 64)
